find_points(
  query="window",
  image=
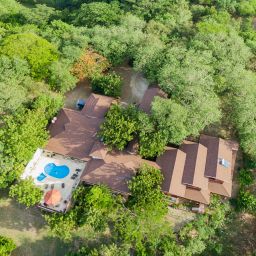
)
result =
(224, 163)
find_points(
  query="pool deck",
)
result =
(65, 185)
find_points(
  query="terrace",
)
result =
(57, 176)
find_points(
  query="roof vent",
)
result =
(225, 163)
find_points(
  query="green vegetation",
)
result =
(202, 55)
(119, 126)
(6, 246)
(109, 84)
(35, 50)
(26, 192)
(93, 207)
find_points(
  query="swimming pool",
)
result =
(55, 171)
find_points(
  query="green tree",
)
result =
(6, 246)
(146, 194)
(38, 52)
(62, 225)
(196, 235)
(142, 224)
(98, 13)
(245, 177)
(69, 40)
(96, 207)
(171, 118)
(119, 126)
(93, 206)
(117, 43)
(40, 15)
(7, 171)
(103, 250)
(22, 133)
(50, 104)
(152, 144)
(60, 77)
(151, 140)
(26, 192)
(14, 83)
(246, 201)
(108, 84)
(247, 8)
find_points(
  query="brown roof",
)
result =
(99, 150)
(148, 98)
(172, 163)
(97, 106)
(201, 196)
(224, 189)
(75, 132)
(194, 165)
(219, 149)
(115, 170)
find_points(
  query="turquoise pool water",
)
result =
(55, 171)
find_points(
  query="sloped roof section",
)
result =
(75, 132)
(194, 168)
(148, 98)
(99, 150)
(201, 196)
(97, 106)
(224, 189)
(114, 171)
(172, 163)
(219, 149)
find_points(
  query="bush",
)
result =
(6, 246)
(246, 201)
(109, 84)
(245, 177)
(26, 192)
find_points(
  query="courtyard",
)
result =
(57, 176)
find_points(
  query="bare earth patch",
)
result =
(179, 217)
(28, 229)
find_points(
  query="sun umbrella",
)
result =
(52, 197)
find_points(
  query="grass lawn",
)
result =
(28, 229)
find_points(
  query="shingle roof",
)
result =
(201, 196)
(115, 170)
(172, 163)
(218, 149)
(224, 189)
(194, 164)
(97, 106)
(75, 132)
(99, 150)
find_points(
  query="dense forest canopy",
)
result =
(200, 52)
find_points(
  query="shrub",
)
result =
(245, 177)
(109, 85)
(6, 246)
(246, 201)
(26, 192)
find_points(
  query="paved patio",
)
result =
(65, 185)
